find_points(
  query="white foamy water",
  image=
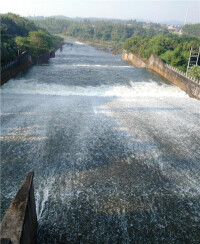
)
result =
(136, 89)
(96, 66)
(80, 43)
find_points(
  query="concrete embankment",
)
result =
(9, 71)
(19, 224)
(23, 62)
(46, 56)
(155, 63)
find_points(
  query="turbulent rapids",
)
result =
(115, 150)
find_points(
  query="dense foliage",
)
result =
(100, 29)
(192, 30)
(37, 42)
(19, 34)
(171, 49)
(194, 71)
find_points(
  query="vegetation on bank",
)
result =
(172, 49)
(191, 30)
(143, 39)
(101, 30)
(19, 34)
(194, 71)
(104, 33)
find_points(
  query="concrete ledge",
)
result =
(19, 224)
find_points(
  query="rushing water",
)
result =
(115, 150)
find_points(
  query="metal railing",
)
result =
(23, 58)
(183, 74)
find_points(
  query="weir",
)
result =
(19, 224)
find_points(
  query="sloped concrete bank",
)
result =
(155, 63)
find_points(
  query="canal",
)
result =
(115, 150)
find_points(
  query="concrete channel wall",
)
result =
(176, 77)
(13, 68)
(24, 61)
(19, 224)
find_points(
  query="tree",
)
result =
(192, 30)
(19, 34)
(172, 49)
(8, 49)
(39, 40)
(194, 71)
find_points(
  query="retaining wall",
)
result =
(19, 224)
(13, 68)
(134, 59)
(24, 61)
(42, 58)
(155, 63)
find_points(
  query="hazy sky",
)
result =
(121, 9)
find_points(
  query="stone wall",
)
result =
(19, 224)
(156, 64)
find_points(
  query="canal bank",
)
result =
(178, 78)
(23, 62)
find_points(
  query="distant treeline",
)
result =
(172, 49)
(104, 30)
(192, 30)
(19, 34)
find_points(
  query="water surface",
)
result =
(115, 150)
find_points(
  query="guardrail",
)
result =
(183, 74)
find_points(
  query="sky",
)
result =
(157, 10)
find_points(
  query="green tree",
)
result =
(192, 30)
(172, 49)
(19, 34)
(194, 71)
(39, 42)
(8, 49)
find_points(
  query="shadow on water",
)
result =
(146, 226)
(123, 204)
(91, 186)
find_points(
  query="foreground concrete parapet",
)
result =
(19, 224)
